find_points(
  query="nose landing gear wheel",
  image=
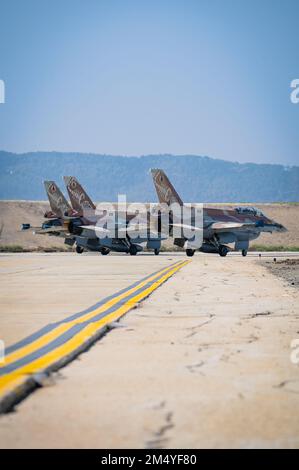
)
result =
(244, 252)
(190, 252)
(223, 250)
(79, 249)
(156, 251)
(105, 251)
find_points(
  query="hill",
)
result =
(196, 178)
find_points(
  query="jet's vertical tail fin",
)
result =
(80, 200)
(58, 203)
(165, 191)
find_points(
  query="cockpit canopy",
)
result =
(249, 211)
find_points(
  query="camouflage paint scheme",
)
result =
(220, 226)
(84, 226)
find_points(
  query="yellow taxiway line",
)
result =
(63, 341)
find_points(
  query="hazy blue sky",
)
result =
(137, 77)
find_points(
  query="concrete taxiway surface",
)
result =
(204, 361)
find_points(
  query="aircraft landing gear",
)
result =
(244, 252)
(156, 251)
(223, 250)
(133, 250)
(190, 252)
(105, 251)
(79, 249)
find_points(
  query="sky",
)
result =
(121, 77)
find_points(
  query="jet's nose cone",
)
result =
(270, 225)
(280, 228)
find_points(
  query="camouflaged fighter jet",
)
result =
(90, 230)
(59, 219)
(220, 226)
(131, 230)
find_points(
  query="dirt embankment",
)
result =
(14, 213)
(287, 269)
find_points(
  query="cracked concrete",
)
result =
(160, 436)
(153, 383)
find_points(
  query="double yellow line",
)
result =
(25, 361)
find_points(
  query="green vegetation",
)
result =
(281, 203)
(12, 249)
(54, 249)
(273, 248)
(170, 248)
(21, 249)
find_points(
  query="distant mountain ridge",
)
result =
(196, 178)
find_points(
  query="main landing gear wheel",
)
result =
(79, 249)
(244, 252)
(133, 250)
(190, 252)
(156, 251)
(223, 250)
(105, 251)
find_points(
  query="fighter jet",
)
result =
(60, 219)
(102, 231)
(220, 226)
(129, 230)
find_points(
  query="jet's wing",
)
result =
(122, 232)
(101, 232)
(55, 231)
(144, 231)
(187, 227)
(51, 230)
(230, 226)
(96, 229)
